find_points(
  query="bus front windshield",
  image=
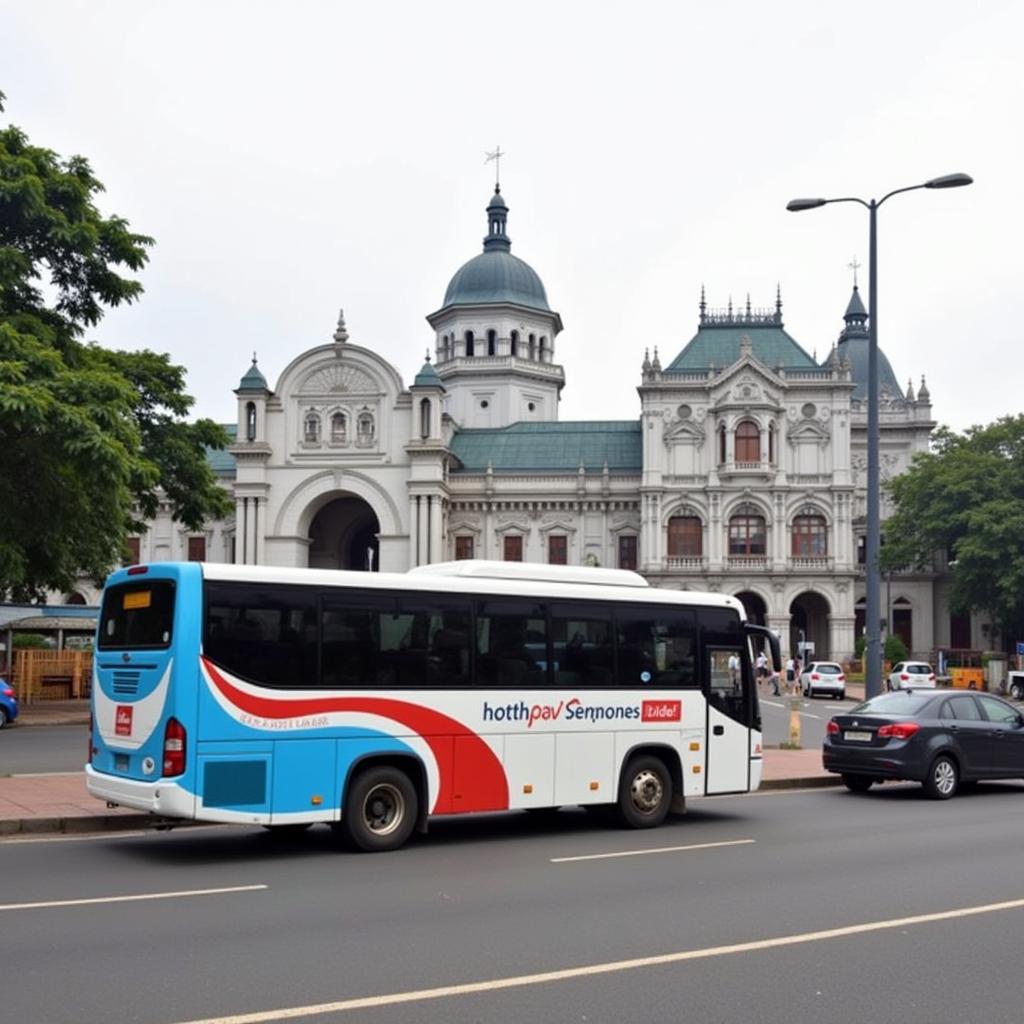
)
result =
(137, 616)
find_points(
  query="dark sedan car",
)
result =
(939, 738)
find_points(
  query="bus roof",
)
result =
(548, 581)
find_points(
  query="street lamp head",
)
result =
(796, 205)
(949, 181)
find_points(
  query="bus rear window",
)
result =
(137, 616)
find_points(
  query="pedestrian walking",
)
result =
(790, 675)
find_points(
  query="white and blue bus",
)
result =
(371, 701)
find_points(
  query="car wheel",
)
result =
(645, 793)
(1017, 691)
(380, 810)
(942, 779)
(857, 783)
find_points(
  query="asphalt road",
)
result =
(787, 907)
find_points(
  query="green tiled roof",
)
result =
(552, 447)
(720, 345)
(221, 461)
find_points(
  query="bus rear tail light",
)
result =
(833, 727)
(898, 731)
(174, 748)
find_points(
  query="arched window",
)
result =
(311, 431)
(444, 347)
(747, 535)
(685, 537)
(771, 444)
(533, 346)
(515, 343)
(364, 428)
(250, 421)
(748, 442)
(543, 348)
(810, 536)
(469, 343)
(721, 445)
(339, 428)
(492, 343)
(425, 418)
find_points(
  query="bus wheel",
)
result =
(380, 810)
(645, 793)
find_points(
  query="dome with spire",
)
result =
(253, 379)
(496, 275)
(853, 346)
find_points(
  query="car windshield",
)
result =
(901, 702)
(827, 666)
(923, 669)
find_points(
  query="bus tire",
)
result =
(380, 810)
(645, 792)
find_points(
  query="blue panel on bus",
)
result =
(234, 783)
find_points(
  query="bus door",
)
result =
(730, 700)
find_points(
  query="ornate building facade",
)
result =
(744, 471)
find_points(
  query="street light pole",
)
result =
(872, 604)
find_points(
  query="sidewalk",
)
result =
(59, 803)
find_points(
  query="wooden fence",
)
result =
(41, 674)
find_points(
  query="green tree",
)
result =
(89, 438)
(966, 497)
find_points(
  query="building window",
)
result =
(133, 546)
(463, 548)
(250, 421)
(339, 428)
(492, 343)
(558, 549)
(364, 428)
(747, 535)
(721, 445)
(197, 549)
(771, 443)
(444, 347)
(543, 348)
(533, 346)
(425, 418)
(515, 343)
(810, 537)
(470, 343)
(513, 549)
(311, 432)
(685, 537)
(748, 442)
(627, 551)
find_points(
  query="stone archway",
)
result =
(344, 535)
(809, 620)
(755, 607)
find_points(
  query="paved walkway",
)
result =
(59, 802)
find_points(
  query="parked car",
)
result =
(8, 703)
(939, 738)
(823, 677)
(905, 674)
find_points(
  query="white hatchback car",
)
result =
(907, 674)
(823, 677)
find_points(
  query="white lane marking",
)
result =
(643, 853)
(131, 899)
(592, 970)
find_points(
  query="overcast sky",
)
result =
(294, 158)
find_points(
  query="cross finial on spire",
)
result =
(254, 357)
(854, 266)
(428, 355)
(496, 157)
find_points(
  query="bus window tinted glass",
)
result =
(656, 647)
(357, 628)
(267, 635)
(427, 641)
(137, 616)
(581, 645)
(511, 643)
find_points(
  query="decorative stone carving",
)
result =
(337, 379)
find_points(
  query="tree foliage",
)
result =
(966, 497)
(89, 438)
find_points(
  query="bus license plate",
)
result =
(857, 737)
(120, 762)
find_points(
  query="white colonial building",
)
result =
(744, 471)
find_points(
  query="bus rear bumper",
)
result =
(166, 799)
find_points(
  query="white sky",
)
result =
(294, 158)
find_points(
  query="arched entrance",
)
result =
(808, 620)
(343, 535)
(754, 606)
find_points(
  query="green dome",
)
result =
(496, 275)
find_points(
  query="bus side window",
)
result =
(581, 644)
(511, 643)
(656, 646)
